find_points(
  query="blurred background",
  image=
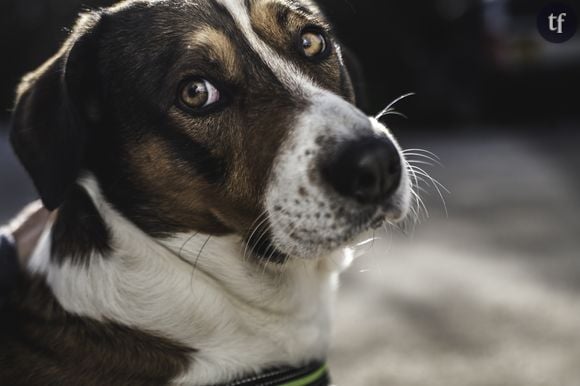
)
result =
(486, 289)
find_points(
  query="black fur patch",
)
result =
(50, 127)
(198, 156)
(79, 230)
(41, 344)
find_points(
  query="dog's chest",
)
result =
(238, 320)
(249, 340)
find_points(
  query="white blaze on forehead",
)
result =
(289, 74)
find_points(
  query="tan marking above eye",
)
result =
(218, 46)
(266, 19)
(313, 44)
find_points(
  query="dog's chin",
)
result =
(324, 242)
(266, 251)
(302, 235)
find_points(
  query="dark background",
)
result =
(486, 295)
(467, 60)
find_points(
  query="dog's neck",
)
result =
(200, 292)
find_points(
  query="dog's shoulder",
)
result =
(42, 344)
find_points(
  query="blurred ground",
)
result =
(486, 297)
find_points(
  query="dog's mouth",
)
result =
(261, 246)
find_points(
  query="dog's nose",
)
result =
(367, 170)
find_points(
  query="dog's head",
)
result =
(213, 116)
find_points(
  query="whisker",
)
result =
(254, 245)
(421, 204)
(425, 174)
(422, 151)
(424, 181)
(392, 104)
(436, 184)
(180, 253)
(420, 176)
(424, 156)
(419, 162)
(200, 252)
(414, 176)
(391, 112)
(253, 231)
(272, 249)
(253, 242)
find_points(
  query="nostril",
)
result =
(367, 178)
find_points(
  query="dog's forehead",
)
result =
(223, 29)
(305, 6)
(246, 15)
(183, 12)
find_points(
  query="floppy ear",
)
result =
(356, 77)
(52, 117)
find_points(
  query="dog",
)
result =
(206, 164)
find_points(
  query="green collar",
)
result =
(314, 374)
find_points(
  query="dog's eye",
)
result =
(313, 44)
(198, 93)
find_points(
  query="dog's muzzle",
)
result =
(340, 174)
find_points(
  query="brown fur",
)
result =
(220, 49)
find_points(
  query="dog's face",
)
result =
(213, 116)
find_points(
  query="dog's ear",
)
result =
(54, 109)
(356, 77)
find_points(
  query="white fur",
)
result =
(240, 316)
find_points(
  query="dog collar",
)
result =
(314, 374)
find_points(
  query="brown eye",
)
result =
(198, 93)
(313, 44)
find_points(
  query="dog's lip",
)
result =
(263, 247)
(387, 212)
